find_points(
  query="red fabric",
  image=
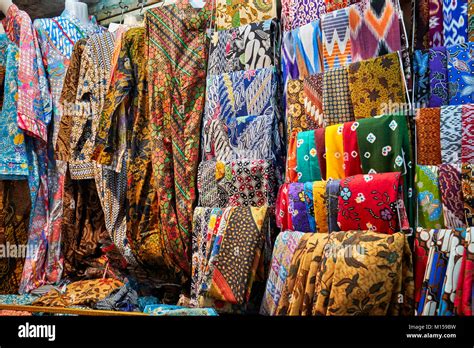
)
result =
(369, 202)
(421, 259)
(283, 218)
(320, 140)
(291, 173)
(463, 300)
(352, 165)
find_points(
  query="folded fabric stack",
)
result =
(344, 273)
(444, 261)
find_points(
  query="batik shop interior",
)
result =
(227, 157)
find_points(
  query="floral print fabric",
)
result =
(430, 211)
(438, 70)
(451, 195)
(460, 70)
(231, 14)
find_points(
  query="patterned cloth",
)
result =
(239, 183)
(438, 69)
(231, 14)
(436, 35)
(467, 176)
(285, 246)
(430, 211)
(470, 10)
(297, 208)
(384, 145)
(334, 152)
(320, 139)
(386, 81)
(455, 22)
(464, 298)
(373, 202)
(428, 141)
(295, 13)
(451, 195)
(421, 251)
(375, 29)
(467, 142)
(332, 194)
(291, 174)
(460, 74)
(308, 49)
(422, 24)
(306, 158)
(313, 98)
(282, 212)
(178, 311)
(352, 162)
(451, 133)
(177, 43)
(337, 105)
(336, 39)
(422, 77)
(249, 47)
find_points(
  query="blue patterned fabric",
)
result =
(455, 21)
(170, 310)
(308, 197)
(332, 191)
(422, 77)
(461, 74)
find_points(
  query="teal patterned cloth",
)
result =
(171, 310)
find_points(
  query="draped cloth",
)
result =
(352, 163)
(422, 253)
(430, 210)
(337, 104)
(306, 158)
(467, 176)
(176, 36)
(332, 194)
(460, 71)
(438, 69)
(231, 14)
(451, 133)
(336, 39)
(467, 141)
(455, 22)
(428, 130)
(451, 195)
(334, 152)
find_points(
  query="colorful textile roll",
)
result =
(285, 246)
(336, 39)
(460, 74)
(372, 202)
(364, 274)
(436, 23)
(291, 159)
(334, 152)
(375, 29)
(352, 164)
(428, 141)
(451, 195)
(332, 194)
(311, 198)
(451, 133)
(467, 177)
(455, 22)
(248, 47)
(430, 210)
(376, 84)
(306, 157)
(320, 135)
(438, 68)
(297, 208)
(467, 142)
(337, 105)
(282, 212)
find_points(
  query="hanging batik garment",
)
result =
(239, 183)
(336, 39)
(285, 246)
(308, 49)
(368, 276)
(384, 145)
(422, 253)
(455, 22)
(176, 38)
(451, 133)
(460, 74)
(352, 163)
(337, 105)
(283, 217)
(428, 141)
(435, 272)
(463, 300)
(438, 69)
(307, 164)
(334, 152)
(232, 14)
(313, 98)
(467, 177)
(430, 211)
(467, 142)
(375, 29)
(297, 294)
(435, 33)
(297, 13)
(376, 85)
(332, 196)
(249, 47)
(360, 208)
(297, 208)
(422, 77)
(34, 113)
(450, 283)
(451, 195)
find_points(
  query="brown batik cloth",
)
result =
(428, 149)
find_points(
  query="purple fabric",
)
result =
(438, 65)
(306, 11)
(298, 208)
(451, 195)
(436, 23)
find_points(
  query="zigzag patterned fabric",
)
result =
(455, 21)
(451, 123)
(375, 29)
(336, 39)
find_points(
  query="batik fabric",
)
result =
(455, 22)
(337, 104)
(451, 133)
(438, 69)
(460, 72)
(451, 195)
(231, 14)
(430, 210)
(467, 141)
(428, 149)
(467, 177)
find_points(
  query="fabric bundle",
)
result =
(346, 273)
(467, 177)
(375, 85)
(438, 70)
(307, 163)
(248, 47)
(373, 202)
(352, 162)
(430, 210)
(428, 131)
(334, 152)
(239, 183)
